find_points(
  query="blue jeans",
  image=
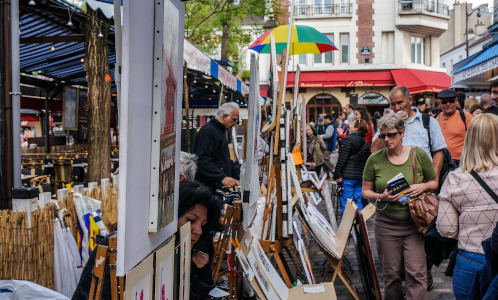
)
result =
(351, 190)
(466, 266)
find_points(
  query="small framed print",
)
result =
(185, 248)
(70, 109)
(165, 266)
(139, 280)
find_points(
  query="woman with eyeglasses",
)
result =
(399, 243)
(353, 155)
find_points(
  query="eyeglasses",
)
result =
(447, 100)
(389, 135)
(236, 121)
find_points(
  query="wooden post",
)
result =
(113, 245)
(187, 106)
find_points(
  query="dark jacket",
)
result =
(320, 129)
(353, 155)
(211, 148)
(201, 280)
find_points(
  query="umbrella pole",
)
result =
(291, 19)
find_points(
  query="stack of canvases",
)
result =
(27, 253)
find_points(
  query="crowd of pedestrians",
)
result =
(453, 142)
(448, 146)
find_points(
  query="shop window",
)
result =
(322, 104)
(417, 50)
(372, 98)
(345, 48)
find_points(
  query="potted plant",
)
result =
(407, 5)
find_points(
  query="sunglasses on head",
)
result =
(389, 135)
(444, 101)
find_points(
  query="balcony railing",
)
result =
(422, 6)
(324, 10)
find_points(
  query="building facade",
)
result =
(467, 31)
(474, 72)
(382, 43)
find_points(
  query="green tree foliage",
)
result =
(208, 22)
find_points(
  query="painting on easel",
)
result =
(185, 260)
(139, 280)
(166, 114)
(165, 271)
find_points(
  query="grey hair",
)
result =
(403, 89)
(391, 121)
(188, 165)
(227, 109)
(486, 99)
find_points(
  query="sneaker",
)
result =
(429, 280)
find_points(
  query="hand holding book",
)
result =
(399, 186)
(388, 196)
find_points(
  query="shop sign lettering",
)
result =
(358, 83)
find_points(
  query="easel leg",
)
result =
(113, 243)
(337, 265)
(292, 253)
(121, 288)
(98, 273)
(281, 266)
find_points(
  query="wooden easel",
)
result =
(107, 256)
(341, 238)
(233, 227)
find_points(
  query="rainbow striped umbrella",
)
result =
(304, 39)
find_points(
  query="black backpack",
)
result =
(447, 159)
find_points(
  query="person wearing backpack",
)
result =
(467, 209)
(453, 123)
(353, 155)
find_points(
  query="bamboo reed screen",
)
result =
(27, 253)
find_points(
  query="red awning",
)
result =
(419, 81)
(342, 79)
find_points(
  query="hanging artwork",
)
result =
(139, 280)
(70, 111)
(165, 264)
(185, 247)
(166, 114)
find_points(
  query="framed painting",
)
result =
(166, 116)
(165, 266)
(70, 109)
(139, 280)
(185, 248)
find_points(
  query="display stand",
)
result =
(341, 239)
(233, 228)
